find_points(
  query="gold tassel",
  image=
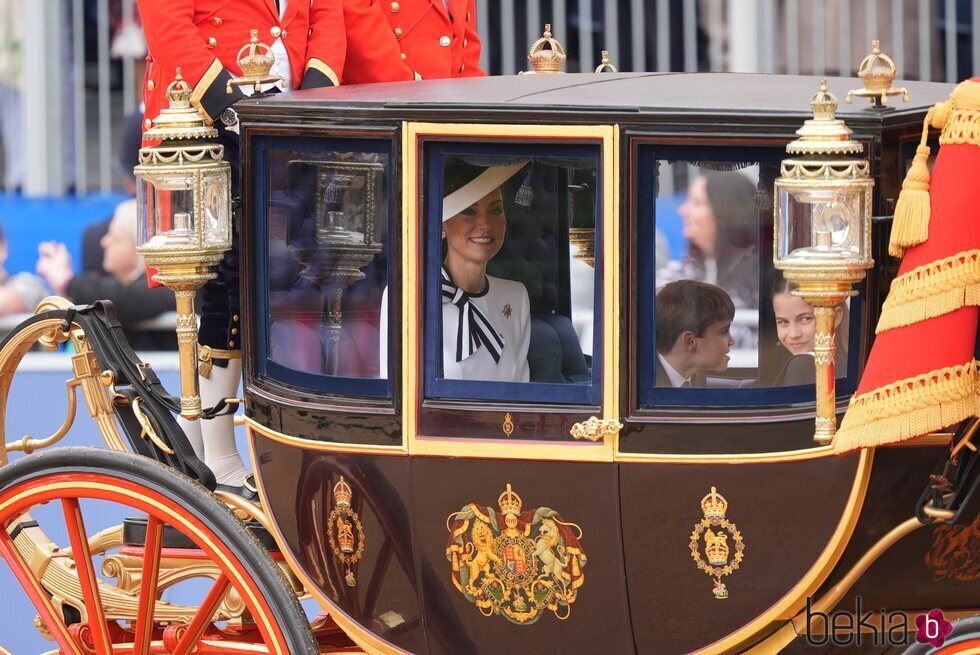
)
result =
(910, 226)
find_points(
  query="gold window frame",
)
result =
(413, 135)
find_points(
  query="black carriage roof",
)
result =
(617, 97)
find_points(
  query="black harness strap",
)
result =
(136, 383)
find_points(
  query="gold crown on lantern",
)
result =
(179, 92)
(823, 103)
(510, 502)
(178, 121)
(342, 493)
(546, 55)
(714, 505)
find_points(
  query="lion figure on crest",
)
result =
(479, 553)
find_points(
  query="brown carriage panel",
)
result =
(937, 566)
(478, 422)
(716, 438)
(585, 494)
(785, 513)
(380, 427)
(298, 488)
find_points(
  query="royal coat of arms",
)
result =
(513, 562)
(714, 531)
(345, 532)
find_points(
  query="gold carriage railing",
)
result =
(52, 564)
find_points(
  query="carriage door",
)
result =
(510, 273)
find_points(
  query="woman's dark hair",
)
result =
(780, 284)
(732, 197)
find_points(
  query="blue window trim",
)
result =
(264, 146)
(436, 387)
(649, 395)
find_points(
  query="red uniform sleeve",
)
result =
(174, 40)
(373, 54)
(471, 46)
(326, 49)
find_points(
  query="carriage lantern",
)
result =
(184, 225)
(823, 232)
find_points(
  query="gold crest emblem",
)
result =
(716, 530)
(506, 311)
(508, 424)
(513, 562)
(344, 531)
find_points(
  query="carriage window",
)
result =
(512, 307)
(722, 318)
(326, 224)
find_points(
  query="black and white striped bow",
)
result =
(474, 329)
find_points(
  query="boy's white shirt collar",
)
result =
(676, 379)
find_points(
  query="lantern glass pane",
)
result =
(144, 211)
(167, 203)
(825, 223)
(217, 209)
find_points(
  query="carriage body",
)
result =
(379, 472)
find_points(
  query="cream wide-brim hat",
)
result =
(478, 187)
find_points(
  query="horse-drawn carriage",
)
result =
(584, 509)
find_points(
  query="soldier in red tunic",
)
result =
(394, 40)
(203, 39)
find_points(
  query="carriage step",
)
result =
(134, 534)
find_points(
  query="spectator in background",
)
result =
(721, 225)
(21, 292)
(11, 96)
(124, 283)
(130, 140)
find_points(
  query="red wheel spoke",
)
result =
(37, 594)
(86, 575)
(195, 629)
(148, 586)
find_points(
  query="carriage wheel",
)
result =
(51, 492)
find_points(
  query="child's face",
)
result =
(795, 323)
(711, 348)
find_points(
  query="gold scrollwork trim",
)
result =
(962, 127)
(934, 289)
(596, 429)
(824, 170)
(910, 407)
(179, 155)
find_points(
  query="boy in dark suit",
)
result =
(693, 321)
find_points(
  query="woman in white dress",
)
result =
(486, 323)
